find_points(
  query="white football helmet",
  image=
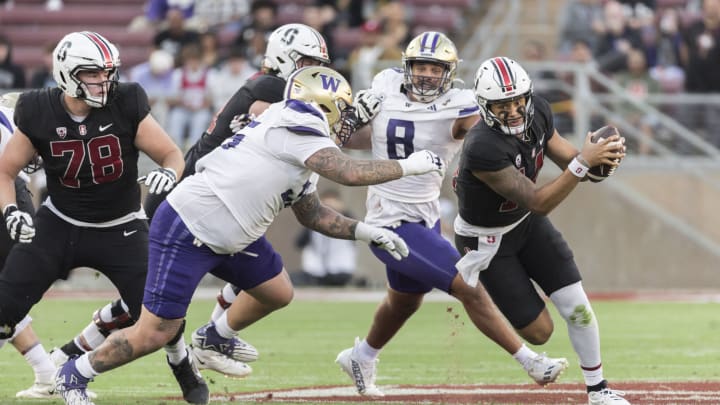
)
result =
(291, 42)
(432, 47)
(80, 51)
(499, 80)
(330, 92)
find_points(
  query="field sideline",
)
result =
(660, 352)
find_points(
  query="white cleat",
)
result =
(607, 397)
(38, 391)
(212, 360)
(362, 373)
(545, 370)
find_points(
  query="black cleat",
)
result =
(192, 384)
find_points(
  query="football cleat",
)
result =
(192, 384)
(216, 361)
(606, 396)
(361, 373)
(71, 385)
(37, 391)
(207, 338)
(545, 370)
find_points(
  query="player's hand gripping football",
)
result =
(382, 238)
(606, 151)
(19, 224)
(160, 180)
(422, 162)
(367, 105)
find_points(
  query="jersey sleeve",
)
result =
(467, 104)
(481, 154)
(267, 88)
(543, 111)
(386, 79)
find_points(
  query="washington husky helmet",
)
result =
(328, 90)
(81, 51)
(500, 80)
(290, 43)
(431, 47)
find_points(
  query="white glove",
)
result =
(382, 238)
(367, 105)
(422, 162)
(161, 179)
(19, 224)
(240, 121)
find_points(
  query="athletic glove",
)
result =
(161, 179)
(19, 224)
(367, 105)
(382, 238)
(422, 162)
(240, 121)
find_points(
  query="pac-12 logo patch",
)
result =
(61, 132)
(518, 160)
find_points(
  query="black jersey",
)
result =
(90, 166)
(489, 149)
(263, 87)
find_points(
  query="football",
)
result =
(601, 172)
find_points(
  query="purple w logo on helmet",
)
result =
(330, 83)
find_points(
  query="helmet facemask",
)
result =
(84, 92)
(434, 48)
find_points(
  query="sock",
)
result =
(92, 336)
(41, 364)
(365, 352)
(176, 352)
(573, 305)
(82, 364)
(524, 355)
(593, 377)
(222, 328)
(71, 348)
(227, 295)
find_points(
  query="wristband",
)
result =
(577, 169)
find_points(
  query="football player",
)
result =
(288, 147)
(409, 109)
(24, 339)
(290, 47)
(502, 225)
(89, 132)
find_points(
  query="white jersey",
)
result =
(241, 186)
(7, 128)
(402, 127)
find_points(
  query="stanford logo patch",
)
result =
(82, 130)
(61, 132)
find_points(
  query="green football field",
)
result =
(641, 341)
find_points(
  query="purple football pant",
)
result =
(431, 263)
(176, 266)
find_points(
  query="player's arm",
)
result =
(560, 150)
(515, 186)
(258, 107)
(334, 165)
(463, 125)
(313, 214)
(152, 139)
(17, 153)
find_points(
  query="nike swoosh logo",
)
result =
(128, 233)
(104, 127)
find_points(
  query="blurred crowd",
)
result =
(649, 47)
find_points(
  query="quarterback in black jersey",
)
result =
(502, 228)
(89, 132)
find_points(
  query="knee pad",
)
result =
(573, 305)
(112, 317)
